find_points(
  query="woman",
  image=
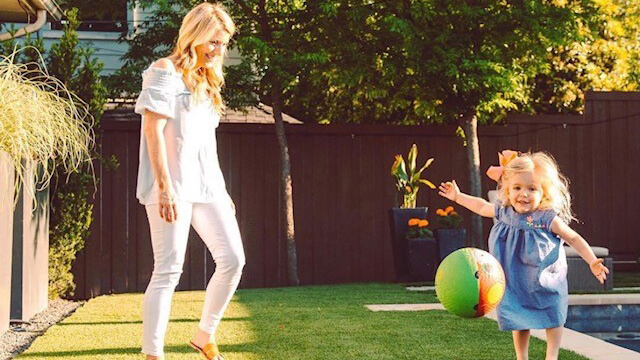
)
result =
(179, 178)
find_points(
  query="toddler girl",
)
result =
(532, 223)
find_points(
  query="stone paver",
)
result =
(585, 345)
(421, 288)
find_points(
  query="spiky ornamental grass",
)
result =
(42, 124)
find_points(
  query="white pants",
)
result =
(217, 226)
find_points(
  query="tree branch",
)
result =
(247, 10)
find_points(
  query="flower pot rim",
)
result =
(417, 207)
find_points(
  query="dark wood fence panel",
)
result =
(343, 189)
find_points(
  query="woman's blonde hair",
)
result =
(198, 27)
(555, 186)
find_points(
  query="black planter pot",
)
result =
(399, 219)
(450, 240)
(422, 259)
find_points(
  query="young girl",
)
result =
(532, 222)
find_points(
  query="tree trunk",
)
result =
(470, 126)
(286, 189)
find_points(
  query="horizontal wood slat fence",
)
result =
(343, 189)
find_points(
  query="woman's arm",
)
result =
(478, 205)
(154, 124)
(582, 247)
(153, 131)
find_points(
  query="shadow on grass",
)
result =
(140, 321)
(171, 349)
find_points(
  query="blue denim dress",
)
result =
(535, 267)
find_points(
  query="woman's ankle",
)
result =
(202, 338)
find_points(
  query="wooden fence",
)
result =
(343, 189)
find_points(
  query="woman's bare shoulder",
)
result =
(165, 63)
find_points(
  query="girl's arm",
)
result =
(577, 242)
(478, 205)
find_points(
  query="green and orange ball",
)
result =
(470, 282)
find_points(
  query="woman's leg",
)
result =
(521, 344)
(554, 335)
(217, 226)
(169, 242)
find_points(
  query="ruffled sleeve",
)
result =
(499, 214)
(547, 218)
(159, 92)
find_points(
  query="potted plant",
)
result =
(43, 127)
(422, 254)
(450, 234)
(407, 177)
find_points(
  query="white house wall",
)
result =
(106, 45)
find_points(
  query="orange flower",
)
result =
(440, 212)
(453, 213)
(423, 223)
(414, 222)
(448, 209)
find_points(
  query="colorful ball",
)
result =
(470, 282)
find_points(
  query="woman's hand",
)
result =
(449, 190)
(599, 270)
(167, 201)
(233, 205)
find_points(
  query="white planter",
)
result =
(30, 254)
(6, 238)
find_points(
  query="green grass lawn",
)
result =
(315, 322)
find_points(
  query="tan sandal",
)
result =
(209, 351)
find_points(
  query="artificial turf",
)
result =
(310, 322)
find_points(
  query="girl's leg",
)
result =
(554, 335)
(217, 226)
(169, 242)
(521, 344)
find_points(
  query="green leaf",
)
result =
(413, 155)
(426, 165)
(398, 169)
(428, 183)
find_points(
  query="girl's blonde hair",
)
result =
(198, 27)
(555, 186)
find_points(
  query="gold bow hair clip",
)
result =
(495, 172)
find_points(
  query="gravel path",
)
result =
(19, 337)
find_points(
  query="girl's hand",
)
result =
(599, 270)
(167, 205)
(449, 190)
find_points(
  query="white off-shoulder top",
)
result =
(190, 137)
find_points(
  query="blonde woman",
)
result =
(179, 178)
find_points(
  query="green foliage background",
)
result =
(412, 61)
(70, 194)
